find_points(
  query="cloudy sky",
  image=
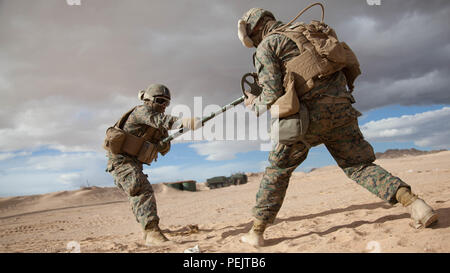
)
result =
(67, 72)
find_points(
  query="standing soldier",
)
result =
(135, 140)
(287, 59)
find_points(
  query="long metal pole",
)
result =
(205, 119)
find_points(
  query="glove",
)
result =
(192, 123)
(248, 101)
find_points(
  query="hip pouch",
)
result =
(290, 118)
(115, 137)
(291, 129)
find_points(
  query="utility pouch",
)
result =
(132, 145)
(288, 104)
(118, 141)
(147, 153)
(291, 129)
(115, 137)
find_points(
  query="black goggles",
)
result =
(161, 100)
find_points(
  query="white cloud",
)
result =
(69, 178)
(34, 174)
(5, 156)
(428, 129)
(224, 150)
(63, 161)
(61, 124)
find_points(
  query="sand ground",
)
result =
(324, 211)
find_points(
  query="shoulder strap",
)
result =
(121, 122)
(295, 33)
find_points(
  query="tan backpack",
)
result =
(322, 54)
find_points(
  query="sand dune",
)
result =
(323, 211)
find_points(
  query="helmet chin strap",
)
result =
(242, 33)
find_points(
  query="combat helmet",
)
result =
(156, 93)
(248, 22)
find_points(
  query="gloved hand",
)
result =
(192, 123)
(163, 147)
(248, 101)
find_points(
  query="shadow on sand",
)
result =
(245, 227)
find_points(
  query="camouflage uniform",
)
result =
(332, 124)
(127, 170)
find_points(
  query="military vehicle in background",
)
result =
(223, 181)
(187, 185)
(238, 178)
(218, 182)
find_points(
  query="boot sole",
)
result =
(430, 220)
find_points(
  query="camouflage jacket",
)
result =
(274, 51)
(144, 116)
(141, 118)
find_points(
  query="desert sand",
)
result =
(324, 211)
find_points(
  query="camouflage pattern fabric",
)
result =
(144, 116)
(129, 177)
(252, 17)
(334, 125)
(127, 171)
(271, 55)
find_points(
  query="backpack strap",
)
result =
(121, 122)
(294, 33)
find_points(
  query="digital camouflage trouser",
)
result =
(336, 126)
(129, 177)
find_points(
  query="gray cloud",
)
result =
(66, 72)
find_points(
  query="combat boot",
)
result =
(421, 213)
(255, 236)
(154, 236)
